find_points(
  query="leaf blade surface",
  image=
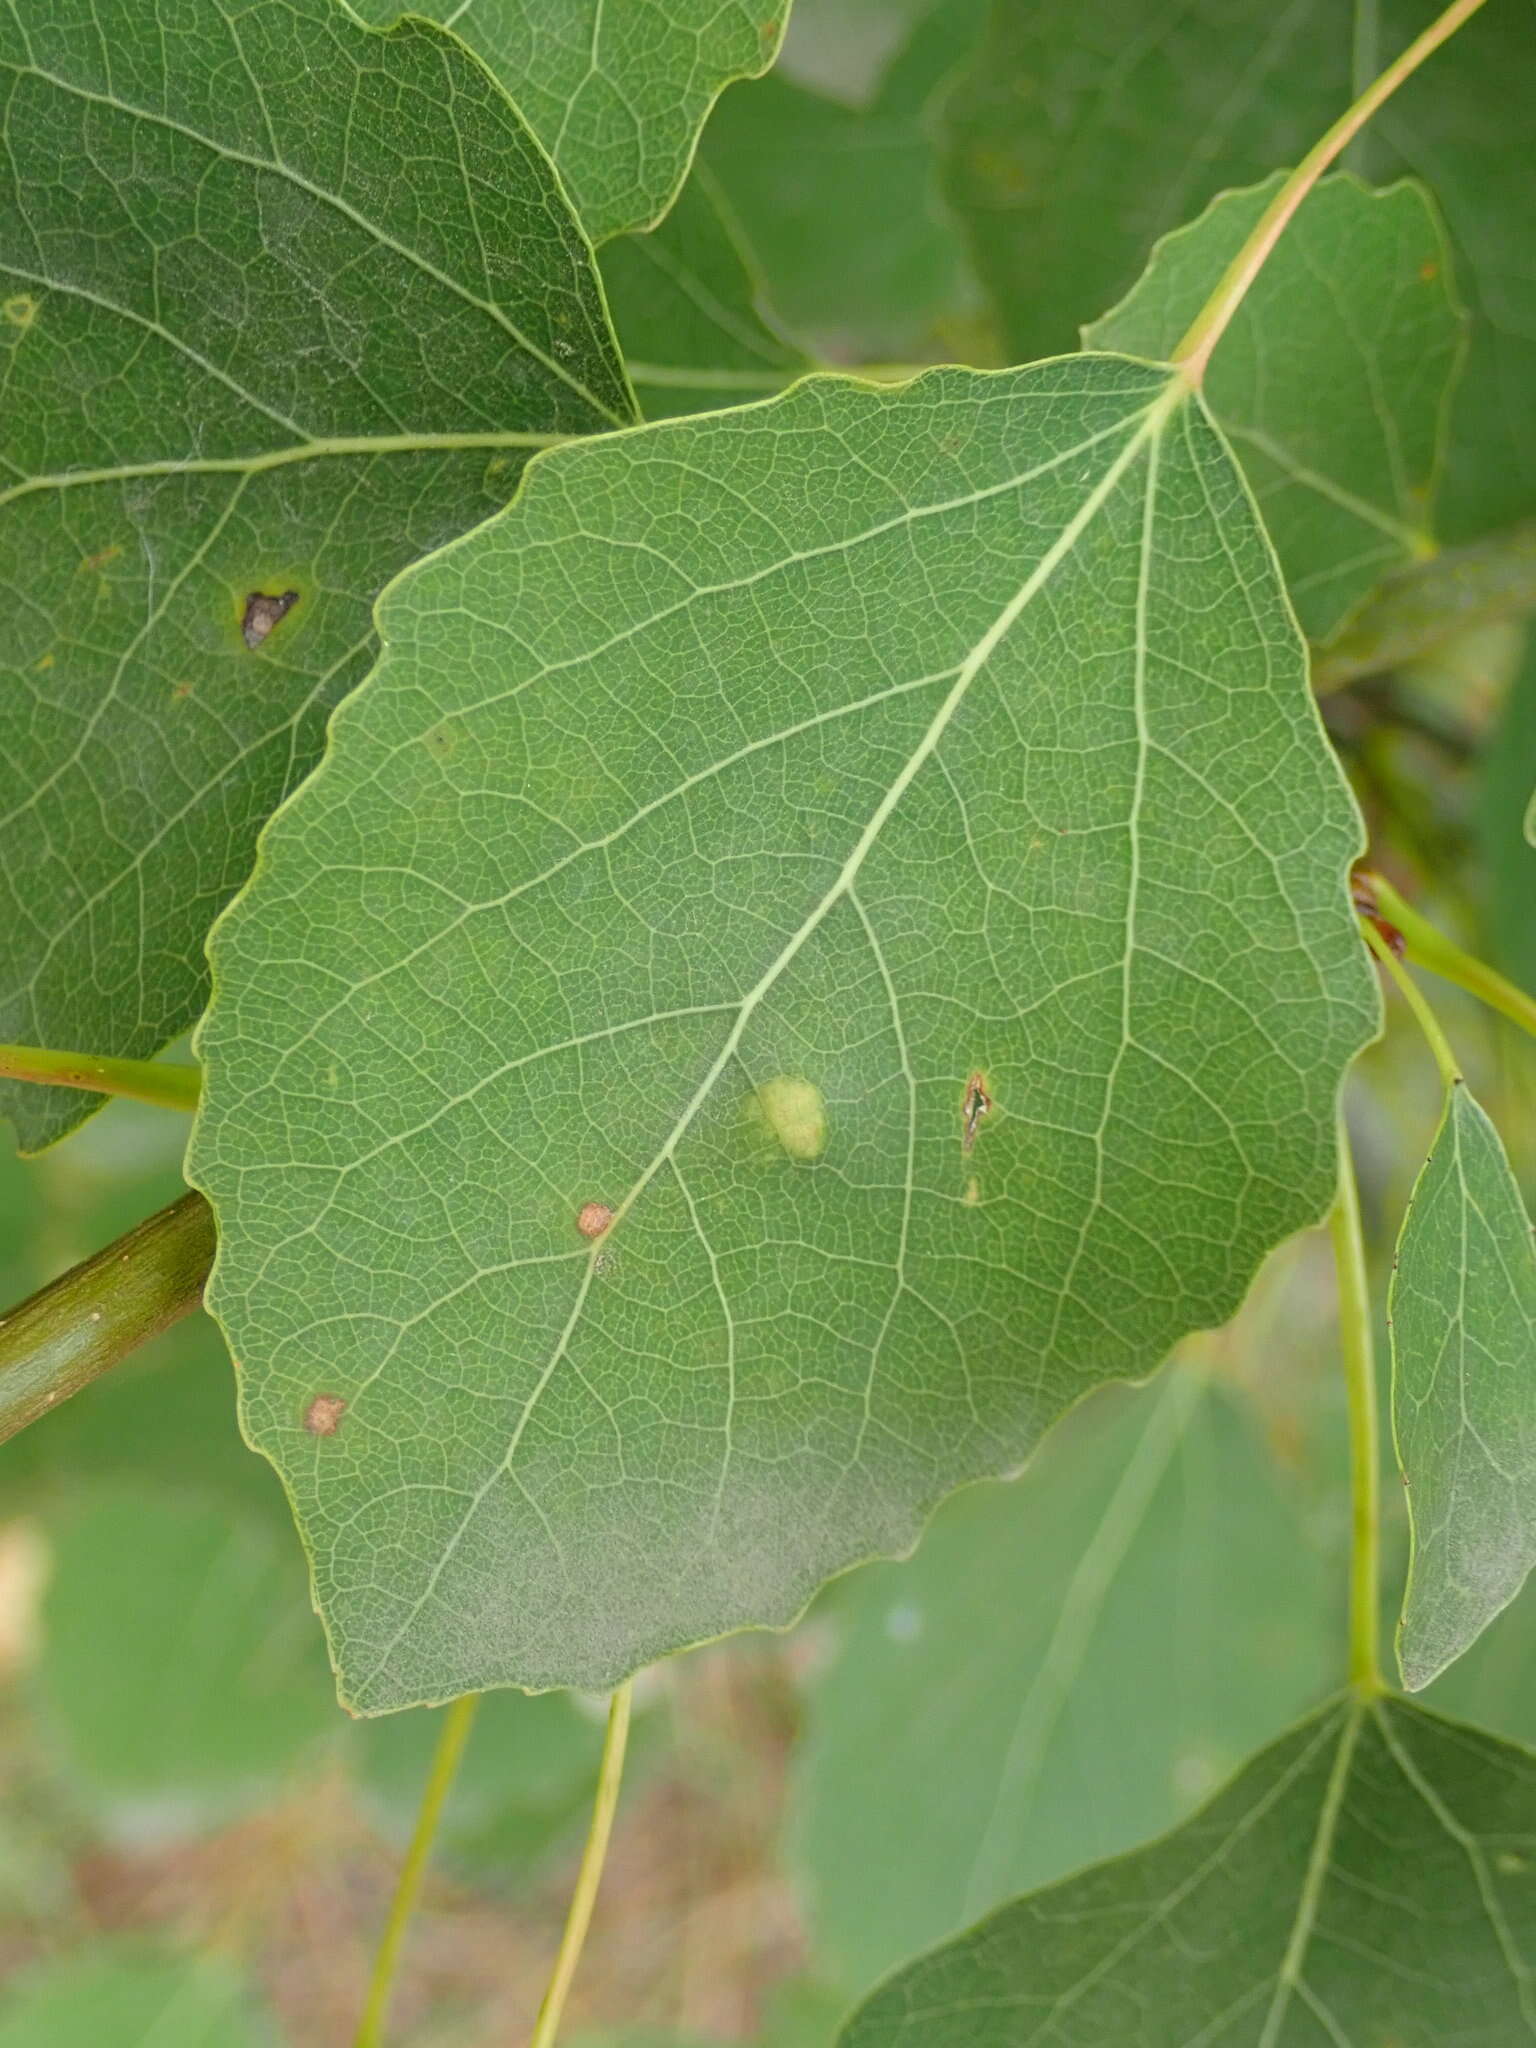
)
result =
(1463, 1309)
(1366, 1878)
(309, 303)
(845, 948)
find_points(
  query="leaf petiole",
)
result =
(1424, 1016)
(1211, 322)
(156, 1081)
(446, 1758)
(589, 1876)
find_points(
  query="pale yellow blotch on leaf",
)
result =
(795, 1111)
(19, 311)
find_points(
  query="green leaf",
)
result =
(684, 300)
(1085, 129)
(616, 93)
(181, 1666)
(1332, 381)
(120, 1993)
(1463, 1310)
(1506, 823)
(1370, 1878)
(1003, 1721)
(840, 204)
(304, 302)
(876, 852)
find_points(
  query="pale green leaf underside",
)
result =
(969, 1738)
(1463, 1305)
(616, 90)
(303, 303)
(1332, 381)
(724, 828)
(1368, 1881)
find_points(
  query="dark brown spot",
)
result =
(977, 1104)
(262, 613)
(593, 1218)
(324, 1413)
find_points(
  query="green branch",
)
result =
(155, 1081)
(89, 1320)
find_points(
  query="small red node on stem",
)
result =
(593, 1218)
(1363, 896)
(324, 1413)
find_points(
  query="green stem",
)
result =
(88, 1320)
(1430, 948)
(1364, 1436)
(154, 1081)
(589, 1876)
(452, 1737)
(1210, 323)
(1424, 1016)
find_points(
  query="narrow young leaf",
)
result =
(616, 93)
(1369, 1878)
(824, 938)
(1084, 129)
(1463, 1308)
(305, 301)
(1067, 1665)
(685, 303)
(1333, 380)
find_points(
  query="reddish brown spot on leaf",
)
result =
(262, 613)
(593, 1218)
(1429, 271)
(324, 1413)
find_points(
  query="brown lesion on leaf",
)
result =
(264, 610)
(977, 1104)
(593, 1218)
(323, 1415)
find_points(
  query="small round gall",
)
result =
(593, 1218)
